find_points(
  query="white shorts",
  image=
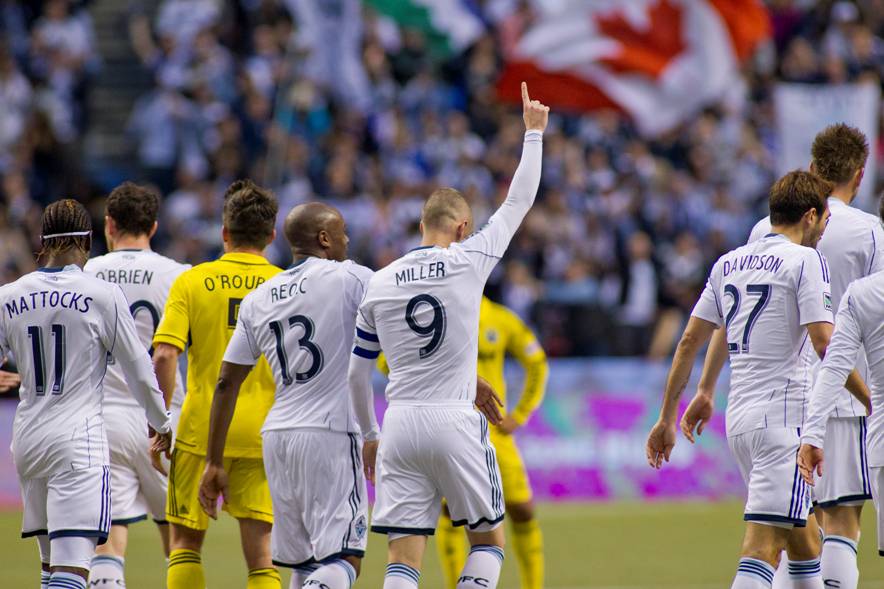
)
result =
(430, 453)
(138, 489)
(845, 479)
(320, 504)
(70, 503)
(877, 476)
(767, 459)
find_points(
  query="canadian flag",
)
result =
(657, 60)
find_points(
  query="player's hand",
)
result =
(488, 402)
(661, 441)
(156, 461)
(212, 486)
(535, 114)
(697, 415)
(369, 459)
(509, 425)
(810, 459)
(8, 381)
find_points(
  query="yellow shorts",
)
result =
(516, 487)
(248, 496)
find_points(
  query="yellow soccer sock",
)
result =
(185, 570)
(452, 544)
(528, 541)
(264, 579)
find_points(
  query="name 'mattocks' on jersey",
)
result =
(765, 293)
(853, 245)
(302, 320)
(145, 277)
(423, 309)
(61, 324)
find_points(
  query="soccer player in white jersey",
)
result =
(859, 327)
(771, 297)
(302, 320)
(423, 312)
(61, 325)
(853, 245)
(145, 277)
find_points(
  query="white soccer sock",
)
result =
(753, 574)
(66, 581)
(805, 574)
(839, 563)
(300, 574)
(107, 572)
(401, 576)
(781, 578)
(482, 568)
(44, 579)
(337, 574)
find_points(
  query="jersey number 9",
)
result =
(435, 329)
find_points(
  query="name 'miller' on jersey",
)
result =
(764, 294)
(145, 277)
(61, 324)
(302, 321)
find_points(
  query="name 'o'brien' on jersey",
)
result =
(145, 277)
(765, 294)
(302, 321)
(61, 324)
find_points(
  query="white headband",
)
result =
(71, 234)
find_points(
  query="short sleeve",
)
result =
(876, 249)
(355, 284)
(175, 324)
(814, 290)
(708, 307)
(243, 347)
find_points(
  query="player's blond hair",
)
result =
(444, 207)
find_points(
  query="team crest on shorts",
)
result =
(360, 527)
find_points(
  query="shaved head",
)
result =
(317, 229)
(445, 210)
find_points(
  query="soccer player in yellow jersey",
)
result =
(501, 332)
(200, 316)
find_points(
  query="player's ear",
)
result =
(109, 225)
(323, 239)
(858, 177)
(153, 230)
(225, 234)
(422, 226)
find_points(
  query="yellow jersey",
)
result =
(200, 316)
(502, 332)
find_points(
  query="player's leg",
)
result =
(108, 564)
(876, 474)
(248, 500)
(187, 522)
(45, 548)
(527, 538)
(759, 555)
(803, 547)
(840, 495)
(405, 553)
(472, 486)
(451, 543)
(339, 506)
(34, 522)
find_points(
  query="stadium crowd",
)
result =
(624, 229)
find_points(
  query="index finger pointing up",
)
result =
(525, 99)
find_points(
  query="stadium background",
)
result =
(671, 119)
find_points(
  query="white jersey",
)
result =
(859, 325)
(423, 309)
(302, 320)
(853, 245)
(61, 324)
(145, 277)
(765, 293)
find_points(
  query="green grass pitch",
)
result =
(588, 546)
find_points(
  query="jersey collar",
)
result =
(421, 247)
(244, 258)
(51, 269)
(775, 235)
(837, 202)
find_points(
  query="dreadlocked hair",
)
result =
(65, 216)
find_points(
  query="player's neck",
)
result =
(436, 239)
(299, 255)
(844, 193)
(243, 250)
(131, 242)
(792, 232)
(65, 258)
